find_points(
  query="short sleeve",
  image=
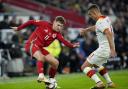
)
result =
(102, 25)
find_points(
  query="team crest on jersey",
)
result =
(54, 35)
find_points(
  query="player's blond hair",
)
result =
(61, 19)
(93, 6)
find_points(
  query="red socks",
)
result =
(52, 72)
(103, 71)
(40, 67)
(91, 73)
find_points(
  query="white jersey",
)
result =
(102, 53)
(102, 24)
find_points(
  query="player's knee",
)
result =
(86, 64)
(55, 64)
(82, 67)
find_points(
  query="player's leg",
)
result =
(40, 67)
(104, 73)
(34, 51)
(54, 65)
(53, 69)
(87, 69)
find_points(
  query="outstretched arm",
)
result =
(83, 31)
(28, 23)
(67, 43)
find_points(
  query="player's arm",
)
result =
(28, 23)
(67, 43)
(83, 31)
(109, 36)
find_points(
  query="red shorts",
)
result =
(31, 48)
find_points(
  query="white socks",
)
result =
(91, 73)
(95, 78)
(104, 73)
(107, 78)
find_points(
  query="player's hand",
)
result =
(113, 54)
(82, 32)
(76, 45)
(15, 28)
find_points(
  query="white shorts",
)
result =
(99, 56)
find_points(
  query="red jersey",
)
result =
(44, 35)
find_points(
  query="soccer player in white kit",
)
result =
(106, 49)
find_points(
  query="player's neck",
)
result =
(100, 16)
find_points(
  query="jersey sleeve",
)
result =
(28, 23)
(65, 42)
(102, 25)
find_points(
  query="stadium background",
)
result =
(15, 63)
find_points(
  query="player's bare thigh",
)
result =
(39, 56)
(86, 63)
(52, 60)
(48, 58)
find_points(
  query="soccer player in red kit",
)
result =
(44, 34)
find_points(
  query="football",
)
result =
(52, 85)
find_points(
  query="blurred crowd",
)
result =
(108, 7)
(71, 59)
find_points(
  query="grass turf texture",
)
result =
(68, 81)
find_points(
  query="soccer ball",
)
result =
(52, 85)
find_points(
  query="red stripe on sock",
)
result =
(40, 68)
(90, 73)
(103, 71)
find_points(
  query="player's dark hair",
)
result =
(61, 19)
(93, 6)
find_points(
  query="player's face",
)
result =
(57, 26)
(92, 14)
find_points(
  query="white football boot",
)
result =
(111, 85)
(42, 78)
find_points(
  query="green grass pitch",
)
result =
(68, 81)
